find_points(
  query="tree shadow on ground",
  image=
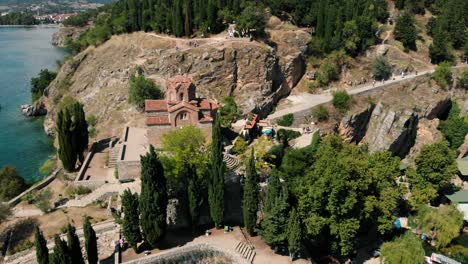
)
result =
(18, 233)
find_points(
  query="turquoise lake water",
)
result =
(23, 53)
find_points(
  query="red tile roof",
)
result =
(157, 120)
(180, 105)
(155, 106)
(251, 124)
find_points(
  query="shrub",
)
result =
(327, 74)
(48, 167)
(42, 200)
(443, 75)
(81, 190)
(454, 128)
(240, 146)
(142, 89)
(463, 80)
(41, 82)
(228, 111)
(11, 183)
(286, 120)
(382, 69)
(320, 113)
(285, 135)
(341, 100)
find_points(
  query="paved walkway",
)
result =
(305, 101)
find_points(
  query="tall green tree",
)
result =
(445, 222)
(131, 220)
(72, 131)
(405, 31)
(153, 198)
(193, 194)
(217, 171)
(439, 50)
(141, 89)
(61, 254)
(404, 249)
(454, 128)
(294, 234)
(90, 242)
(42, 252)
(273, 227)
(251, 196)
(273, 190)
(363, 190)
(74, 247)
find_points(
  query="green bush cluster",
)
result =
(286, 120)
(341, 101)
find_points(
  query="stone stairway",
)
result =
(232, 162)
(114, 156)
(247, 251)
(102, 193)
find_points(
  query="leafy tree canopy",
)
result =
(11, 183)
(345, 188)
(404, 249)
(142, 89)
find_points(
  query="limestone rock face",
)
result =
(256, 74)
(59, 38)
(36, 109)
(353, 127)
(391, 130)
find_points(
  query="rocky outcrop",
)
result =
(405, 118)
(353, 127)
(36, 109)
(60, 37)
(256, 74)
(391, 130)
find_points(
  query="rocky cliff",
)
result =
(404, 118)
(255, 73)
(59, 38)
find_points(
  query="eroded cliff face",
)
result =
(404, 118)
(59, 38)
(256, 74)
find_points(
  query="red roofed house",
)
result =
(180, 108)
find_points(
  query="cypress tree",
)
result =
(405, 31)
(273, 227)
(273, 190)
(251, 193)
(74, 247)
(90, 242)
(193, 194)
(42, 252)
(153, 199)
(60, 252)
(438, 50)
(72, 132)
(294, 233)
(217, 172)
(131, 225)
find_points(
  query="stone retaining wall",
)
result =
(36, 187)
(86, 162)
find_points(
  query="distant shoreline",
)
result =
(31, 26)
